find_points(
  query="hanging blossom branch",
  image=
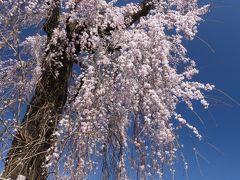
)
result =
(115, 108)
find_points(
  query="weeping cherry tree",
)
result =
(91, 87)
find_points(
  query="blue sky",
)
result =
(221, 30)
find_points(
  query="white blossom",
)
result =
(130, 87)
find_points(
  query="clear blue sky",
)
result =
(221, 30)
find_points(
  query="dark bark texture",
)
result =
(35, 136)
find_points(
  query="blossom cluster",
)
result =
(129, 79)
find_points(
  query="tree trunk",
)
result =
(35, 136)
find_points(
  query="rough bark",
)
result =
(35, 136)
